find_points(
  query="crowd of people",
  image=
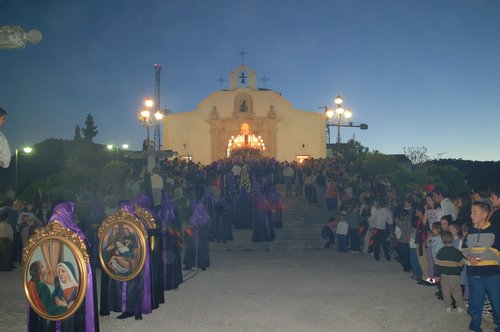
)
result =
(444, 240)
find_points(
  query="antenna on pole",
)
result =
(157, 132)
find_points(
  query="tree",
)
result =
(114, 175)
(447, 176)
(90, 131)
(417, 154)
(353, 150)
(374, 164)
(78, 133)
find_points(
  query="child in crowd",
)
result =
(464, 280)
(449, 262)
(327, 232)
(454, 229)
(481, 247)
(416, 271)
(355, 221)
(6, 238)
(436, 241)
(403, 233)
(445, 222)
(421, 235)
(342, 230)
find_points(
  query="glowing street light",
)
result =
(27, 150)
(340, 117)
(147, 119)
(111, 147)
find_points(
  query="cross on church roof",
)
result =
(220, 80)
(265, 80)
(242, 53)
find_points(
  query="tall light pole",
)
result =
(147, 119)
(111, 147)
(27, 150)
(339, 117)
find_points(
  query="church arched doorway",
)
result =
(246, 143)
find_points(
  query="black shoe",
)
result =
(125, 315)
(138, 316)
(103, 313)
(203, 268)
(187, 268)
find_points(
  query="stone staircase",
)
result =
(302, 224)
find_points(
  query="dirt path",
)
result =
(279, 291)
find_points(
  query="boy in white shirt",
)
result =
(342, 230)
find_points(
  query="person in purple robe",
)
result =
(196, 239)
(85, 318)
(156, 254)
(223, 230)
(130, 298)
(209, 202)
(263, 227)
(171, 231)
(276, 209)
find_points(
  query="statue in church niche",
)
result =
(244, 106)
(272, 112)
(214, 115)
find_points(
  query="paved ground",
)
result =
(312, 290)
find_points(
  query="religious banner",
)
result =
(122, 246)
(55, 273)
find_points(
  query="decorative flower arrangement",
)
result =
(246, 151)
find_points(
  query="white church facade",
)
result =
(210, 131)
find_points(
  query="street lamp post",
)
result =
(147, 119)
(27, 150)
(111, 147)
(339, 117)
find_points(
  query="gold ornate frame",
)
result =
(123, 218)
(57, 235)
(146, 217)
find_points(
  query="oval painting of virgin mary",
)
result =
(55, 277)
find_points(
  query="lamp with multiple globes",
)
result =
(147, 119)
(339, 117)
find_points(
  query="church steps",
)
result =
(302, 224)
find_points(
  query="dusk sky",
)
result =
(419, 73)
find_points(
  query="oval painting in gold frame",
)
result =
(55, 272)
(122, 246)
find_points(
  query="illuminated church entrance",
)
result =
(245, 144)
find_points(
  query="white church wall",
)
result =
(300, 133)
(188, 136)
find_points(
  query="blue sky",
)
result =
(419, 73)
